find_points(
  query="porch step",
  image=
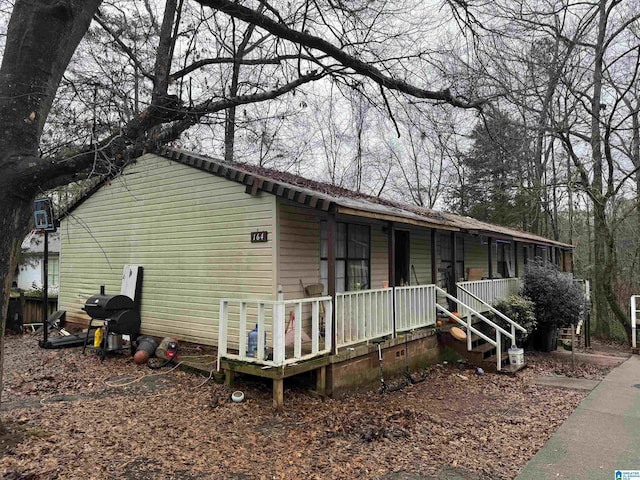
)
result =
(510, 369)
(486, 349)
(483, 355)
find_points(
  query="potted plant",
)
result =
(558, 302)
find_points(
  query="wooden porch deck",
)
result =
(278, 374)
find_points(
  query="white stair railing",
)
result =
(497, 343)
(489, 291)
(488, 307)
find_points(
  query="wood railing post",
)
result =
(633, 321)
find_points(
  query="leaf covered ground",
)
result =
(69, 416)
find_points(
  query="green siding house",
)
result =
(206, 231)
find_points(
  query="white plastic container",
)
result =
(516, 356)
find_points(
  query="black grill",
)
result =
(118, 312)
(104, 306)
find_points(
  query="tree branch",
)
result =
(358, 66)
(125, 48)
(244, 61)
(193, 116)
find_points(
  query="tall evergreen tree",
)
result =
(494, 170)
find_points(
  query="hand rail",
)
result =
(499, 330)
(493, 310)
(472, 328)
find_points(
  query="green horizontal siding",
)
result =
(299, 248)
(477, 255)
(379, 256)
(190, 230)
(420, 252)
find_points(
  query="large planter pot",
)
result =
(545, 339)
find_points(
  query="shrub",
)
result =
(521, 311)
(558, 300)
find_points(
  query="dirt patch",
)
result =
(82, 418)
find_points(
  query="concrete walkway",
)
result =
(567, 382)
(600, 437)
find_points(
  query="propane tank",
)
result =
(168, 349)
(253, 342)
(172, 351)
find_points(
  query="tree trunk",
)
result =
(41, 39)
(599, 200)
(230, 113)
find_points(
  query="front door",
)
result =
(402, 258)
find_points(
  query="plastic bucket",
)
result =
(516, 356)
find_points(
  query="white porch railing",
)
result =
(635, 304)
(360, 316)
(275, 347)
(415, 307)
(363, 315)
(489, 308)
(488, 291)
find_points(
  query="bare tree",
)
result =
(42, 37)
(424, 155)
(597, 116)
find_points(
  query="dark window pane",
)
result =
(324, 233)
(358, 242)
(358, 275)
(341, 240)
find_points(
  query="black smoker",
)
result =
(117, 313)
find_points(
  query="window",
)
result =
(505, 262)
(52, 270)
(353, 256)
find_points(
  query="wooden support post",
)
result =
(278, 394)
(391, 245)
(573, 347)
(229, 377)
(391, 253)
(331, 272)
(321, 381)
(454, 260)
(515, 261)
(490, 256)
(434, 263)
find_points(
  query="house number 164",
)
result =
(259, 237)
